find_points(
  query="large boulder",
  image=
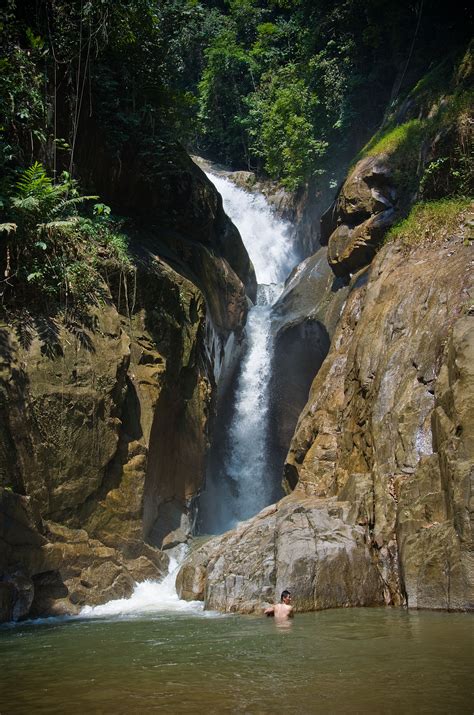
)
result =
(354, 226)
(306, 545)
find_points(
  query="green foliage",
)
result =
(281, 127)
(227, 79)
(445, 133)
(348, 56)
(398, 141)
(403, 144)
(432, 221)
(49, 251)
(287, 87)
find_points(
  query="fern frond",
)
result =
(59, 227)
(67, 204)
(8, 227)
(33, 180)
(26, 203)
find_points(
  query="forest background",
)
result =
(290, 89)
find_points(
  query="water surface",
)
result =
(340, 661)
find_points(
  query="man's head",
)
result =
(285, 596)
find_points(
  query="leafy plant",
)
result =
(282, 129)
(49, 249)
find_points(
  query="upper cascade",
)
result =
(266, 237)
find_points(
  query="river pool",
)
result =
(338, 661)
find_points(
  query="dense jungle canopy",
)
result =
(285, 87)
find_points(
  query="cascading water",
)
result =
(148, 597)
(239, 484)
(266, 237)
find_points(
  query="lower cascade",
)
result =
(148, 597)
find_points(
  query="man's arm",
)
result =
(270, 611)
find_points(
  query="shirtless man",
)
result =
(282, 610)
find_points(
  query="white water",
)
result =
(266, 237)
(244, 483)
(148, 597)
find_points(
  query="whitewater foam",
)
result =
(148, 597)
(266, 237)
(241, 482)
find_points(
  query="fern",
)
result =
(8, 227)
(50, 249)
(59, 228)
(66, 205)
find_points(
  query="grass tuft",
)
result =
(434, 221)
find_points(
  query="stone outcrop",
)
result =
(383, 449)
(165, 191)
(305, 542)
(303, 321)
(364, 209)
(383, 405)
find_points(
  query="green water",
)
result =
(342, 661)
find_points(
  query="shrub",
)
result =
(49, 251)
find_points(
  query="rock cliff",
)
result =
(381, 461)
(104, 412)
(379, 473)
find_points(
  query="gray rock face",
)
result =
(303, 320)
(301, 544)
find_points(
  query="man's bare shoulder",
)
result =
(283, 610)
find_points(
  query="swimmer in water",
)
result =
(283, 610)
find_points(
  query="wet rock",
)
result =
(22, 593)
(191, 578)
(50, 595)
(303, 320)
(6, 602)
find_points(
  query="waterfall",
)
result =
(266, 237)
(239, 480)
